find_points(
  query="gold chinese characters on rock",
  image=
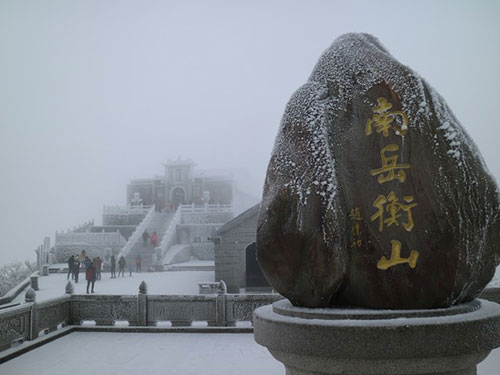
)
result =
(384, 119)
(391, 211)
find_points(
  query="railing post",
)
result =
(220, 305)
(30, 297)
(142, 305)
(69, 288)
(34, 282)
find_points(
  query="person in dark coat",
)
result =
(71, 263)
(90, 276)
(87, 262)
(76, 268)
(98, 268)
(145, 238)
(113, 267)
(121, 266)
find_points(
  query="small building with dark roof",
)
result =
(235, 259)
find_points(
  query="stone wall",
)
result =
(25, 322)
(201, 217)
(125, 219)
(125, 230)
(194, 233)
(64, 252)
(203, 250)
(94, 244)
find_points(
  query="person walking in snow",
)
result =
(76, 268)
(90, 275)
(71, 263)
(113, 267)
(121, 266)
(98, 268)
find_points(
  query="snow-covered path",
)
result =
(81, 353)
(179, 282)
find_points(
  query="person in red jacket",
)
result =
(154, 239)
(98, 268)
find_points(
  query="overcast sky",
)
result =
(94, 93)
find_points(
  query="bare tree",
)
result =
(13, 273)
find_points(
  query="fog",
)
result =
(94, 93)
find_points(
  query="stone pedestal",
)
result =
(449, 341)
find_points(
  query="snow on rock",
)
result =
(323, 165)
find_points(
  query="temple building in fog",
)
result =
(182, 184)
(184, 206)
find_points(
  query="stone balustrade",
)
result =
(27, 321)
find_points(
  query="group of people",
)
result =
(121, 266)
(92, 269)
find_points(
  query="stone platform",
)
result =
(448, 341)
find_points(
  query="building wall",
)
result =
(230, 254)
(195, 233)
(117, 219)
(125, 230)
(150, 190)
(220, 191)
(181, 175)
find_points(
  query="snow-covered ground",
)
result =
(180, 282)
(81, 353)
(154, 354)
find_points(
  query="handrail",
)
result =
(168, 236)
(139, 230)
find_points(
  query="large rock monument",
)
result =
(375, 195)
(376, 198)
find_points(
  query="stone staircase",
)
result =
(159, 223)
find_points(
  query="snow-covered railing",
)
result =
(169, 236)
(139, 230)
(126, 210)
(24, 322)
(18, 289)
(191, 208)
